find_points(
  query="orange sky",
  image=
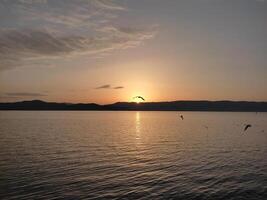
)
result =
(109, 51)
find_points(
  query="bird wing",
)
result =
(139, 97)
(247, 126)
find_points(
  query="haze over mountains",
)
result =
(245, 106)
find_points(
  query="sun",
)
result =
(137, 101)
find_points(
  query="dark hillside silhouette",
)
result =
(146, 106)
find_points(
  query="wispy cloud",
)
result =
(32, 1)
(18, 46)
(103, 87)
(107, 4)
(7, 97)
(107, 86)
(118, 87)
(60, 29)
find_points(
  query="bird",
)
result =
(139, 97)
(206, 127)
(247, 126)
(182, 117)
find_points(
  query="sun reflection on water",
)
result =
(137, 125)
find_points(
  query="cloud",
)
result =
(118, 87)
(6, 98)
(32, 1)
(107, 86)
(101, 4)
(103, 87)
(24, 94)
(38, 32)
(18, 46)
(108, 5)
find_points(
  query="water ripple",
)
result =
(149, 155)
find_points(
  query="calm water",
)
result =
(132, 155)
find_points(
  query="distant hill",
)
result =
(146, 106)
(42, 105)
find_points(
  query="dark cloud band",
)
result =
(63, 29)
(107, 86)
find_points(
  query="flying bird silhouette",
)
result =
(139, 97)
(247, 126)
(182, 117)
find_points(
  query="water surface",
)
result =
(132, 155)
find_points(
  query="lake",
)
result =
(132, 155)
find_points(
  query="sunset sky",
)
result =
(105, 51)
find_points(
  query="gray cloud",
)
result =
(118, 87)
(62, 29)
(101, 4)
(32, 1)
(71, 13)
(103, 87)
(107, 4)
(32, 44)
(107, 86)
(7, 97)
(24, 94)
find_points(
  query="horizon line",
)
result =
(167, 101)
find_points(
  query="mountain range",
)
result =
(245, 106)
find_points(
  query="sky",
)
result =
(107, 51)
